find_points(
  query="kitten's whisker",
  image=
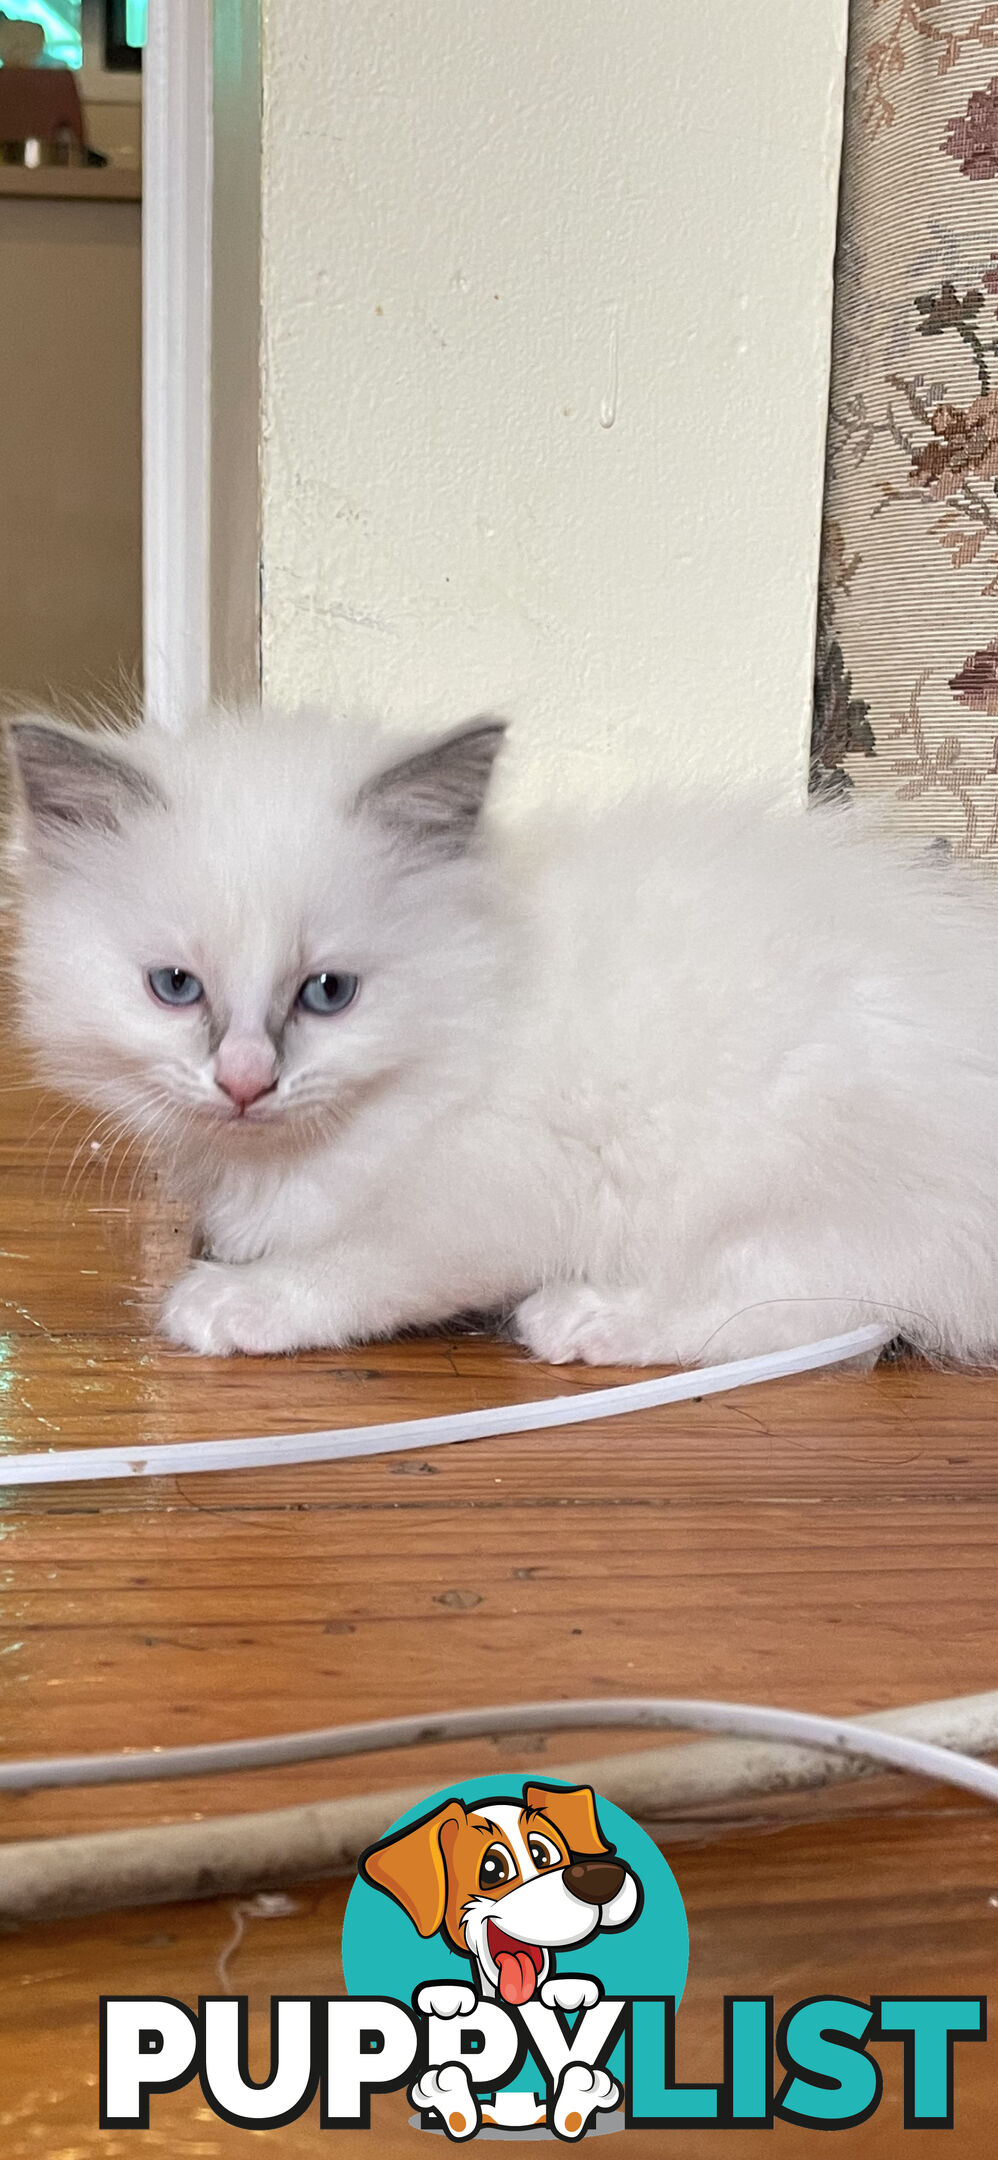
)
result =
(158, 1109)
(80, 1145)
(103, 1122)
(159, 1124)
(109, 1129)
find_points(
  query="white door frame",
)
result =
(201, 192)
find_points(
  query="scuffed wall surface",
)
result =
(547, 297)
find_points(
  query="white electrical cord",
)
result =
(181, 1458)
(58, 1878)
(839, 1736)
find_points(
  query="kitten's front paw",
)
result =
(572, 1323)
(218, 1310)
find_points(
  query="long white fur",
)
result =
(687, 1081)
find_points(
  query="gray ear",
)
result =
(71, 784)
(436, 796)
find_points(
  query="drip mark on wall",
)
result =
(608, 408)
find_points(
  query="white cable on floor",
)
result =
(47, 1878)
(181, 1458)
(840, 1736)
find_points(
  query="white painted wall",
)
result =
(546, 314)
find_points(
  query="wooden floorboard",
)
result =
(826, 1543)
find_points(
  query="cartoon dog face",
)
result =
(508, 1882)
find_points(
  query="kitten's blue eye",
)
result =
(328, 993)
(175, 986)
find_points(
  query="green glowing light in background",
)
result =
(61, 24)
(60, 20)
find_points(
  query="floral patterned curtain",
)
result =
(906, 698)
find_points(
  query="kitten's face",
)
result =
(239, 934)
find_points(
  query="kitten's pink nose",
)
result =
(245, 1071)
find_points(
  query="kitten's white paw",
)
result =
(572, 1323)
(219, 1310)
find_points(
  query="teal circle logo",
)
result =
(522, 1895)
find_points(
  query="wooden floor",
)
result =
(828, 1544)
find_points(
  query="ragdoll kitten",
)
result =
(678, 1083)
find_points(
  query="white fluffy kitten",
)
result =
(681, 1082)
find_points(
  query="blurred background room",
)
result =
(70, 351)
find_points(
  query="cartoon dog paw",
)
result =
(582, 2093)
(447, 2091)
(570, 1991)
(446, 1999)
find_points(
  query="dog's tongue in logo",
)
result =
(519, 1966)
